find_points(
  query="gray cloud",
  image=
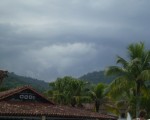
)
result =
(47, 39)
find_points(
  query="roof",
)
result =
(8, 93)
(36, 109)
(31, 108)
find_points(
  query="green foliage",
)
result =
(131, 76)
(3, 89)
(99, 90)
(68, 90)
(14, 80)
(99, 97)
(97, 77)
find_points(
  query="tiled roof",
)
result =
(7, 93)
(27, 108)
(35, 109)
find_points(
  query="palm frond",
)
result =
(136, 50)
(146, 60)
(114, 70)
(93, 94)
(122, 61)
(145, 75)
(119, 86)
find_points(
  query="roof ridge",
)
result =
(10, 92)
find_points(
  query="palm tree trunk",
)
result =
(138, 97)
(97, 104)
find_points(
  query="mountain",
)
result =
(96, 77)
(14, 80)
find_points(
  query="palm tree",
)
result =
(132, 73)
(99, 96)
(68, 90)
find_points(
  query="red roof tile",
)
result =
(36, 109)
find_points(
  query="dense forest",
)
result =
(97, 77)
(14, 80)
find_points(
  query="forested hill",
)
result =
(14, 80)
(96, 77)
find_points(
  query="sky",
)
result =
(46, 39)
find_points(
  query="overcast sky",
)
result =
(46, 39)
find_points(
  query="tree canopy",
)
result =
(69, 90)
(132, 74)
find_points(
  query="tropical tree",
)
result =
(68, 90)
(133, 73)
(98, 95)
(3, 74)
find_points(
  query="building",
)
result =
(24, 103)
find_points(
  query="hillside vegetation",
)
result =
(96, 77)
(14, 80)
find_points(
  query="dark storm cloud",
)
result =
(51, 38)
